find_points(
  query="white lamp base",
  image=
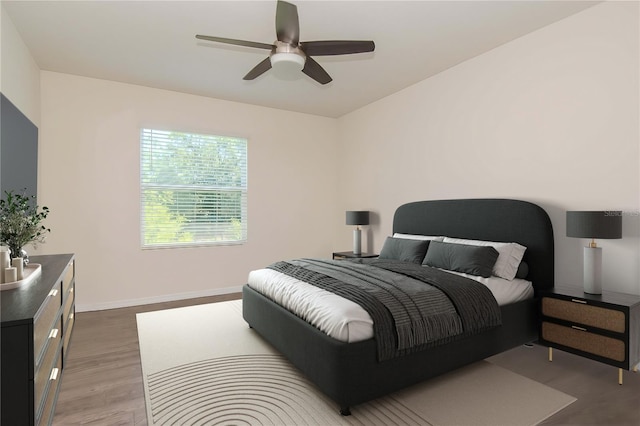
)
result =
(592, 273)
(356, 241)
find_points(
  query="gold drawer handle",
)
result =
(578, 328)
(54, 374)
(53, 334)
(53, 292)
(579, 301)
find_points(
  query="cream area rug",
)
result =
(203, 365)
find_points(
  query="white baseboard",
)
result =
(156, 299)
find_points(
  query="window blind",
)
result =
(193, 189)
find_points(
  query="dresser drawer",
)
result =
(45, 411)
(43, 370)
(68, 276)
(67, 328)
(68, 304)
(606, 347)
(42, 324)
(581, 313)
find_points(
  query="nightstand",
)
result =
(351, 255)
(604, 327)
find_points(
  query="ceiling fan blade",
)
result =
(258, 70)
(236, 42)
(287, 25)
(336, 47)
(315, 71)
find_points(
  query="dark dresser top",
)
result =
(20, 305)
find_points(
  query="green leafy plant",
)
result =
(20, 222)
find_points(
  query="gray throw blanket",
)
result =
(412, 306)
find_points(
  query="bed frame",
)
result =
(349, 373)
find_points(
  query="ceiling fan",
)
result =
(289, 49)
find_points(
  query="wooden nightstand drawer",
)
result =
(595, 344)
(579, 312)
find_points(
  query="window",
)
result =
(193, 189)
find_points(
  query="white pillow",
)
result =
(417, 237)
(509, 255)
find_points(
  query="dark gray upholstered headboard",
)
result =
(487, 219)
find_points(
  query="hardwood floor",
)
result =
(102, 383)
(601, 400)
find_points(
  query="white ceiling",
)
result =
(152, 43)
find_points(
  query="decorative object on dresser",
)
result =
(5, 262)
(593, 224)
(37, 324)
(20, 223)
(29, 274)
(357, 218)
(604, 327)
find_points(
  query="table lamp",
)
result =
(593, 224)
(357, 218)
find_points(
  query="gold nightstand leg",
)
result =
(550, 354)
(619, 376)
(635, 369)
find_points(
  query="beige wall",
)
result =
(89, 150)
(551, 118)
(19, 73)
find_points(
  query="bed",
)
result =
(351, 373)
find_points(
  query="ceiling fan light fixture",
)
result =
(289, 55)
(287, 60)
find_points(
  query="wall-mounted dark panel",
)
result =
(18, 150)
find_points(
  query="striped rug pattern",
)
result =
(254, 389)
(203, 365)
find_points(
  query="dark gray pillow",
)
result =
(474, 260)
(404, 249)
(523, 270)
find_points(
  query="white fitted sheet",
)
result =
(345, 320)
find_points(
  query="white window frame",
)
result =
(193, 206)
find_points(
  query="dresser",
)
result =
(604, 327)
(37, 325)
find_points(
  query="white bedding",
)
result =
(345, 320)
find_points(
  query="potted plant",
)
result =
(20, 223)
